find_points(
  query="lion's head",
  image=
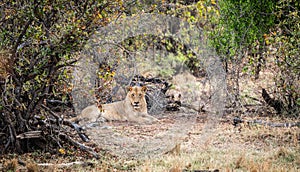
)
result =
(136, 96)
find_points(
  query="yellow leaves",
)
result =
(106, 73)
(206, 8)
(200, 6)
(294, 14)
(187, 13)
(270, 38)
(27, 86)
(266, 38)
(47, 8)
(62, 151)
(213, 2)
(99, 16)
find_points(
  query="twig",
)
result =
(276, 104)
(197, 109)
(75, 126)
(63, 165)
(79, 145)
(253, 98)
(30, 135)
(21, 35)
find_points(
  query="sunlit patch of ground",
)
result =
(245, 148)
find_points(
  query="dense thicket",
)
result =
(40, 41)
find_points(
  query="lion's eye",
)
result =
(140, 95)
(132, 95)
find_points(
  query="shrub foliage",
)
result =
(39, 40)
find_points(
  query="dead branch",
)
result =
(64, 165)
(75, 126)
(197, 109)
(216, 170)
(276, 104)
(79, 145)
(30, 135)
(237, 120)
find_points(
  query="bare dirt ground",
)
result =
(133, 140)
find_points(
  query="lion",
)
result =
(133, 108)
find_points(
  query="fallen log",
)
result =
(237, 120)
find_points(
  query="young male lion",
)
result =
(133, 108)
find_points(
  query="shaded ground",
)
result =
(223, 146)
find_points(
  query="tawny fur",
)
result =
(133, 108)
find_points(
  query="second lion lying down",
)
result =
(133, 108)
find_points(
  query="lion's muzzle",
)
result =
(136, 105)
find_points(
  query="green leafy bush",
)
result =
(246, 32)
(286, 40)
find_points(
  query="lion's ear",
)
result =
(144, 88)
(129, 88)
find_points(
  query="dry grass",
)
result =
(246, 149)
(228, 148)
(10, 165)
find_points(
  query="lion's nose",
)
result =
(136, 103)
